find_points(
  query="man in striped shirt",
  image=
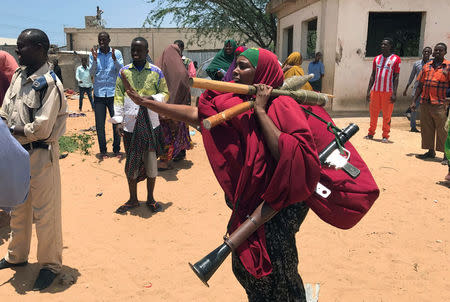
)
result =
(382, 90)
(434, 80)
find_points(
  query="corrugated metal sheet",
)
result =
(200, 56)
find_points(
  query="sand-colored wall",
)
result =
(85, 39)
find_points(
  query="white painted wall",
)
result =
(296, 20)
(353, 72)
(346, 67)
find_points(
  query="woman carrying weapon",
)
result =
(267, 156)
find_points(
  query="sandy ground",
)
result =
(398, 252)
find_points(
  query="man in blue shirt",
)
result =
(83, 77)
(105, 66)
(316, 67)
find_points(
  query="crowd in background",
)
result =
(153, 141)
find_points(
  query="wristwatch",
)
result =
(11, 129)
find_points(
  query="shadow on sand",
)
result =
(434, 159)
(171, 175)
(144, 212)
(444, 183)
(24, 277)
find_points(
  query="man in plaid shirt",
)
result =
(434, 80)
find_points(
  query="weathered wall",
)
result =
(296, 20)
(342, 33)
(354, 69)
(158, 39)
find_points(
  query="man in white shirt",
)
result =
(84, 82)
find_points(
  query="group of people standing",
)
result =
(149, 105)
(431, 91)
(147, 136)
(34, 112)
(100, 75)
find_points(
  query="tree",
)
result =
(246, 19)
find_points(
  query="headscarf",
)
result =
(229, 75)
(244, 166)
(176, 75)
(221, 60)
(268, 70)
(295, 60)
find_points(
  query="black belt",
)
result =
(35, 145)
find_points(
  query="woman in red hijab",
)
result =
(268, 155)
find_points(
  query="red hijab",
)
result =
(244, 166)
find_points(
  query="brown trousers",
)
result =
(432, 122)
(43, 207)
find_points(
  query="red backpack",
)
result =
(350, 198)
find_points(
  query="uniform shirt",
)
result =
(83, 74)
(105, 71)
(149, 81)
(49, 119)
(417, 68)
(317, 69)
(14, 170)
(385, 69)
(435, 82)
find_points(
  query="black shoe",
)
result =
(414, 130)
(428, 154)
(368, 136)
(6, 264)
(44, 280)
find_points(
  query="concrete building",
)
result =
(158, 39)
(348, 33)
(81, 40)
(9, 45)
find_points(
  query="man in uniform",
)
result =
(35, 111)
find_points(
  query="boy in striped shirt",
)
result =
(382, 90)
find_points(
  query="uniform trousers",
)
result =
(432, 122)
(43, 207)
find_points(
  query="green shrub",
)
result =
(82, 142)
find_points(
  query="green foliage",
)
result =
(220, 19)
(67, 144)
(311, 46)
(82, 142)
